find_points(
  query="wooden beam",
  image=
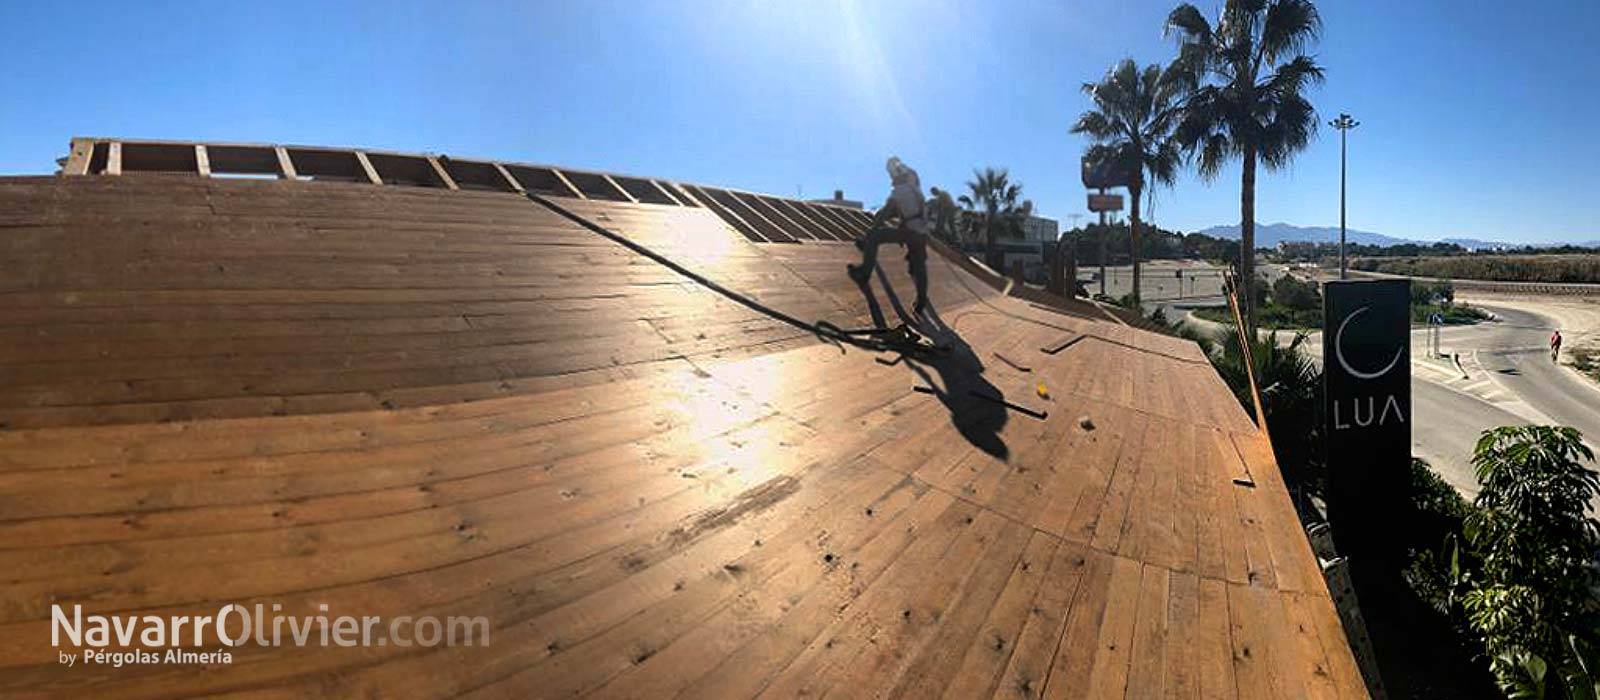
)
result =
(663, 189)
(78, 159)
(202, 162)
(285, 166)
(568, 183)
(618, 187)
(372, 173)
(114, 158)
(444, 176)
(509, 179)
(687, 197)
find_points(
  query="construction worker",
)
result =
(905, 204)
(1555, 345)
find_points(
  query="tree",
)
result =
(1292, 293)
(1245, 80)
(1522, 575)
(1291, 396)
(995, 208)
(1135, 112)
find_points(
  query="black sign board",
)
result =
(1366, 362)
(1099, 175)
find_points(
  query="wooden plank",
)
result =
(114, 158)
(366, 167)
(1213, 644)
(667, 192)
(506, 175)
(285, 164)
(562, 178)
(618, 187)
(439, 171)
(202, 161)
(78, 157)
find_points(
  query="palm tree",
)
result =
(1245, 80)
(993, 207)
(1135, 112)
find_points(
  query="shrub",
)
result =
(1520, 575)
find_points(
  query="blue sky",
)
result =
(1477, 116)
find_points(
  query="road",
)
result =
(1514, 351)
(1445, 427)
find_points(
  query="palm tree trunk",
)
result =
(1133, 236)
(1247, 241)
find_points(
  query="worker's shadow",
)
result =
(960, 373)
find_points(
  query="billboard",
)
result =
(1366, 361)
(1105, 202)
(1099, 175)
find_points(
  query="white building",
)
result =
(1038, 229)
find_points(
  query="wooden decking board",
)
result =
(399, 400)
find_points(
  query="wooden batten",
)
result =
(568, 184)
(366, 165)
(665, 192)
(509, 179)
(449, 182)
(78, 159)
(285, 165)
(114, 158)
(619, 188)
(202, 162)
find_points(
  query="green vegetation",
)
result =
(1504, 268)
(1154, 244)
(1586, 359)
(994, 209)
(1297, 305)
(1135, 111)
(1516, 569)
(1245, 78)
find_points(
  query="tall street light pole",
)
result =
(1344, 124)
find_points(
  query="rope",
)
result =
(901, 339)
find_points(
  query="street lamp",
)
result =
(1344, 124)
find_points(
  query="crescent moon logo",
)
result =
(1338, 350)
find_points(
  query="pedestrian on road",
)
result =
(1555, 345)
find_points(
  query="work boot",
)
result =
(857, 273)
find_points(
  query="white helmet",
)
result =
(900, 172)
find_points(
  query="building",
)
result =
(1038, 228)
(838, 200)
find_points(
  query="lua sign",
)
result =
(1366, 360)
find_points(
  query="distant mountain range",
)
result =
(1269, 235)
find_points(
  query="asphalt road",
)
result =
(1514, 351)
(1445, 425)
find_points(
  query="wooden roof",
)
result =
(408, 401)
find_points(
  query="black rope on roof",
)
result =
(902, 339)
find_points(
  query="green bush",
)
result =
(1519, 574)
(1294, 294)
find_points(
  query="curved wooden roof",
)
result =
(410, 401)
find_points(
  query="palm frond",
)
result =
(1190, 25)
(1288, 28)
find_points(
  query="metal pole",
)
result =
(1344, 124)
(1343, 270)
(1103, 234)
